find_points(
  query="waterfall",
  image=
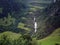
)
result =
(35, 25)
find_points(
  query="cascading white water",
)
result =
(35, 25)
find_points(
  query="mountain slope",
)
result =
(10, 35)
(17, 16)
(53, 39)
(48, 21)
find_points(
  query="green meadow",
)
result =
(52, 39)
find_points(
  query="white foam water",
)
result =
(35, 25)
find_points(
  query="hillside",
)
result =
(29, 22)
(18, 16)
(52, 39)
(10, 35)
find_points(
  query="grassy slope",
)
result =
(10, 35)
(52, 39)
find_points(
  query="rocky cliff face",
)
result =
(49, 20)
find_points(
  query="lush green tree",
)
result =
(5, 40)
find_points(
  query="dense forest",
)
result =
(17, 17)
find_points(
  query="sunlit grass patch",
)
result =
(52, 39)
(10, 35)
(23, 26)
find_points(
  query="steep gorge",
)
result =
(46, 12)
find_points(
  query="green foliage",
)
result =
(24, 40)
(7, 21)
(22, 26)
(53, 39)
(34, 41)
(10, 38)
(5, 40)
(37, 7)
